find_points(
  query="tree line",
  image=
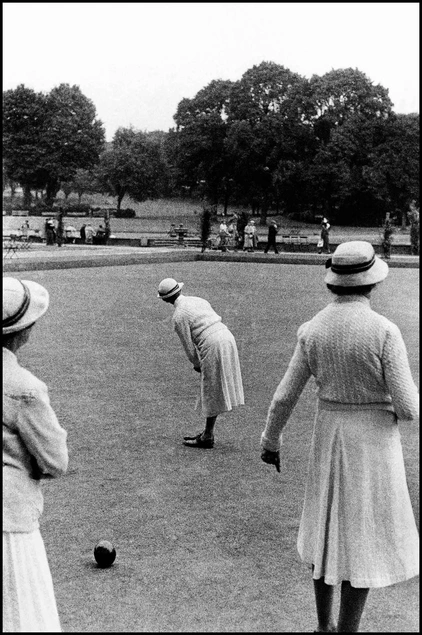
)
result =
(273, 141)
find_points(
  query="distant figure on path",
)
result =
(89, 234)
(248, 240)
(100, 236)
(272, 235)
(223, 235)
(82, 233)
(211, 348)
(50, 231)
(25, 230)
(325, 237)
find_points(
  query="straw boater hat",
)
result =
(354, 264)
(24, 302)
(168, 287)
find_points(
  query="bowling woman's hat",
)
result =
(168, 287)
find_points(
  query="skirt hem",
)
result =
(362, 583)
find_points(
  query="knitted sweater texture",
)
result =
(192, 318)
(358, 360)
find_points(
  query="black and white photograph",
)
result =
(211, 325)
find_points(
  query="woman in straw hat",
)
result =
(211, 348)
(34, 448)
(357, 526)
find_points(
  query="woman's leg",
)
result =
(352, 604)
(324, 595)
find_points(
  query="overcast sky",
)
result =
(137, 61)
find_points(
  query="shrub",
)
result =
(125, 213)
(10, 203)
(40, 207)
(79, 209)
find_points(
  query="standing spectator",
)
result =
(34, 448)
(248, 241)
(233, 233)
(50, 231)
(255, 235)
(82, 233)
(89, 234)
(387, 240)
(211, 348)
(172, 231)
(25, 230)
(272, 236)
(223, 235)
(69, 234)
(357, 526)
(100, 236)
(325, 236)
(60, 231)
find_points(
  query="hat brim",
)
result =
(180, 286)
(377, 273)
(38, 305)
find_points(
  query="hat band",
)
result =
(345, 270)
(170, 292)
(13, 319)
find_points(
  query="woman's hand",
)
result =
(273, 458)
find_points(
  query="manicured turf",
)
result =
(205, 539)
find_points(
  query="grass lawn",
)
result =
(205, 539)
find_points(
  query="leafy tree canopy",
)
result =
(48, 137)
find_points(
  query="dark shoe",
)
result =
(198, 442)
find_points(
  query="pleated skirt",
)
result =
(29, 604)
(357, 522)
(221, 378)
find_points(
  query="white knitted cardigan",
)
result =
(358, 360)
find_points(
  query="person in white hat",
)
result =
(34, 448)
(211, 348)
(357, 526)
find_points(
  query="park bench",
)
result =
(296, 240)
(188, 241)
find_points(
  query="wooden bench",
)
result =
(174, 242)
(297, 240)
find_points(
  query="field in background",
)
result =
(206, 540)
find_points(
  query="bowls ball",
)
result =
(104, 554)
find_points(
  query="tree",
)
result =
(48, 137)
(197, 148)
(342, 93)
(132, 165)
(268, 114)
(393, 170)
(74, 138)
(350, 115)
(82, 183)
(24, 123)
